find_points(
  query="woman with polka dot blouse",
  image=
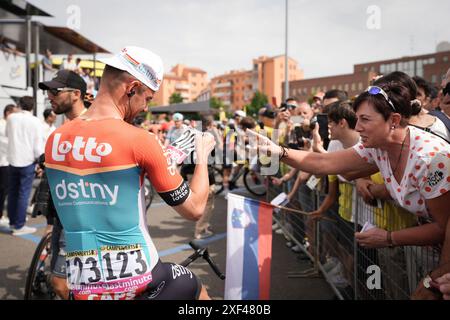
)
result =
(415, 166)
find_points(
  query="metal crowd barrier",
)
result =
(353, 272)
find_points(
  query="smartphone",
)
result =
(322, 120)
(297, 119)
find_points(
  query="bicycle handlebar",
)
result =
(203, 252)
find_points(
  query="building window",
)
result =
(382, 69)
(419, 68)
(433, 78)
(353, 86)
(346, 87)
(360, 86)
(431, 61)
(445, 58)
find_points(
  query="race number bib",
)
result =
(120, 262)
(115, 271)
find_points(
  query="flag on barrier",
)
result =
(249, 249)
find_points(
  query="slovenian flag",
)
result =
(249, 249)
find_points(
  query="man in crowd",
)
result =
(49, 122)
(25, 145)
(176, 130)
(47, 65)
(70, 103)
(4, 165)
(333, 96)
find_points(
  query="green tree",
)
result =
(216, 103)
(258, 101)
(175, 98)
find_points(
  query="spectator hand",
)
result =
(362, 186)
(317, 143)
(277, 181)
(316, 215)
(290, 196)
(444, 285)
(422, 293)
(264, 145)
(373, 238)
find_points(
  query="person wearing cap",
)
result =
(177, 129)
(25, 144)
(268, 119)
(66, 93)
(316, 104)
(95, 166)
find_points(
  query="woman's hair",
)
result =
(400, 89)
(342, 110)
(408, 82)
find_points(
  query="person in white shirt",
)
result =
(4, 165)
(25, 145)
(69, 64)
(49, 122)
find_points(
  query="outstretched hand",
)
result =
(263, 144)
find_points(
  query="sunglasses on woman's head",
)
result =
(374, 90)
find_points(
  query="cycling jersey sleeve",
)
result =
(155, 160)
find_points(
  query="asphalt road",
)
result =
(171, 234)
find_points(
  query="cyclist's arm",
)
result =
(194, 206)
(188, 202)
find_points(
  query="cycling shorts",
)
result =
(172, 281)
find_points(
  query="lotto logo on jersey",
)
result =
(81, 149)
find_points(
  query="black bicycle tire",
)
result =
(151, 192)
(34, 262)
(247, 172)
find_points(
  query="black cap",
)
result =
(65, 79)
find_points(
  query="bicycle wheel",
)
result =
(254, 182)
(149, 193)
(38, 286)
(218, 180)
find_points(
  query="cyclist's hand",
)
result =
(204, 144)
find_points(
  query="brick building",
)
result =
(188, 82)
(432, 67)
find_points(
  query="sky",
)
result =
(324, 37)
